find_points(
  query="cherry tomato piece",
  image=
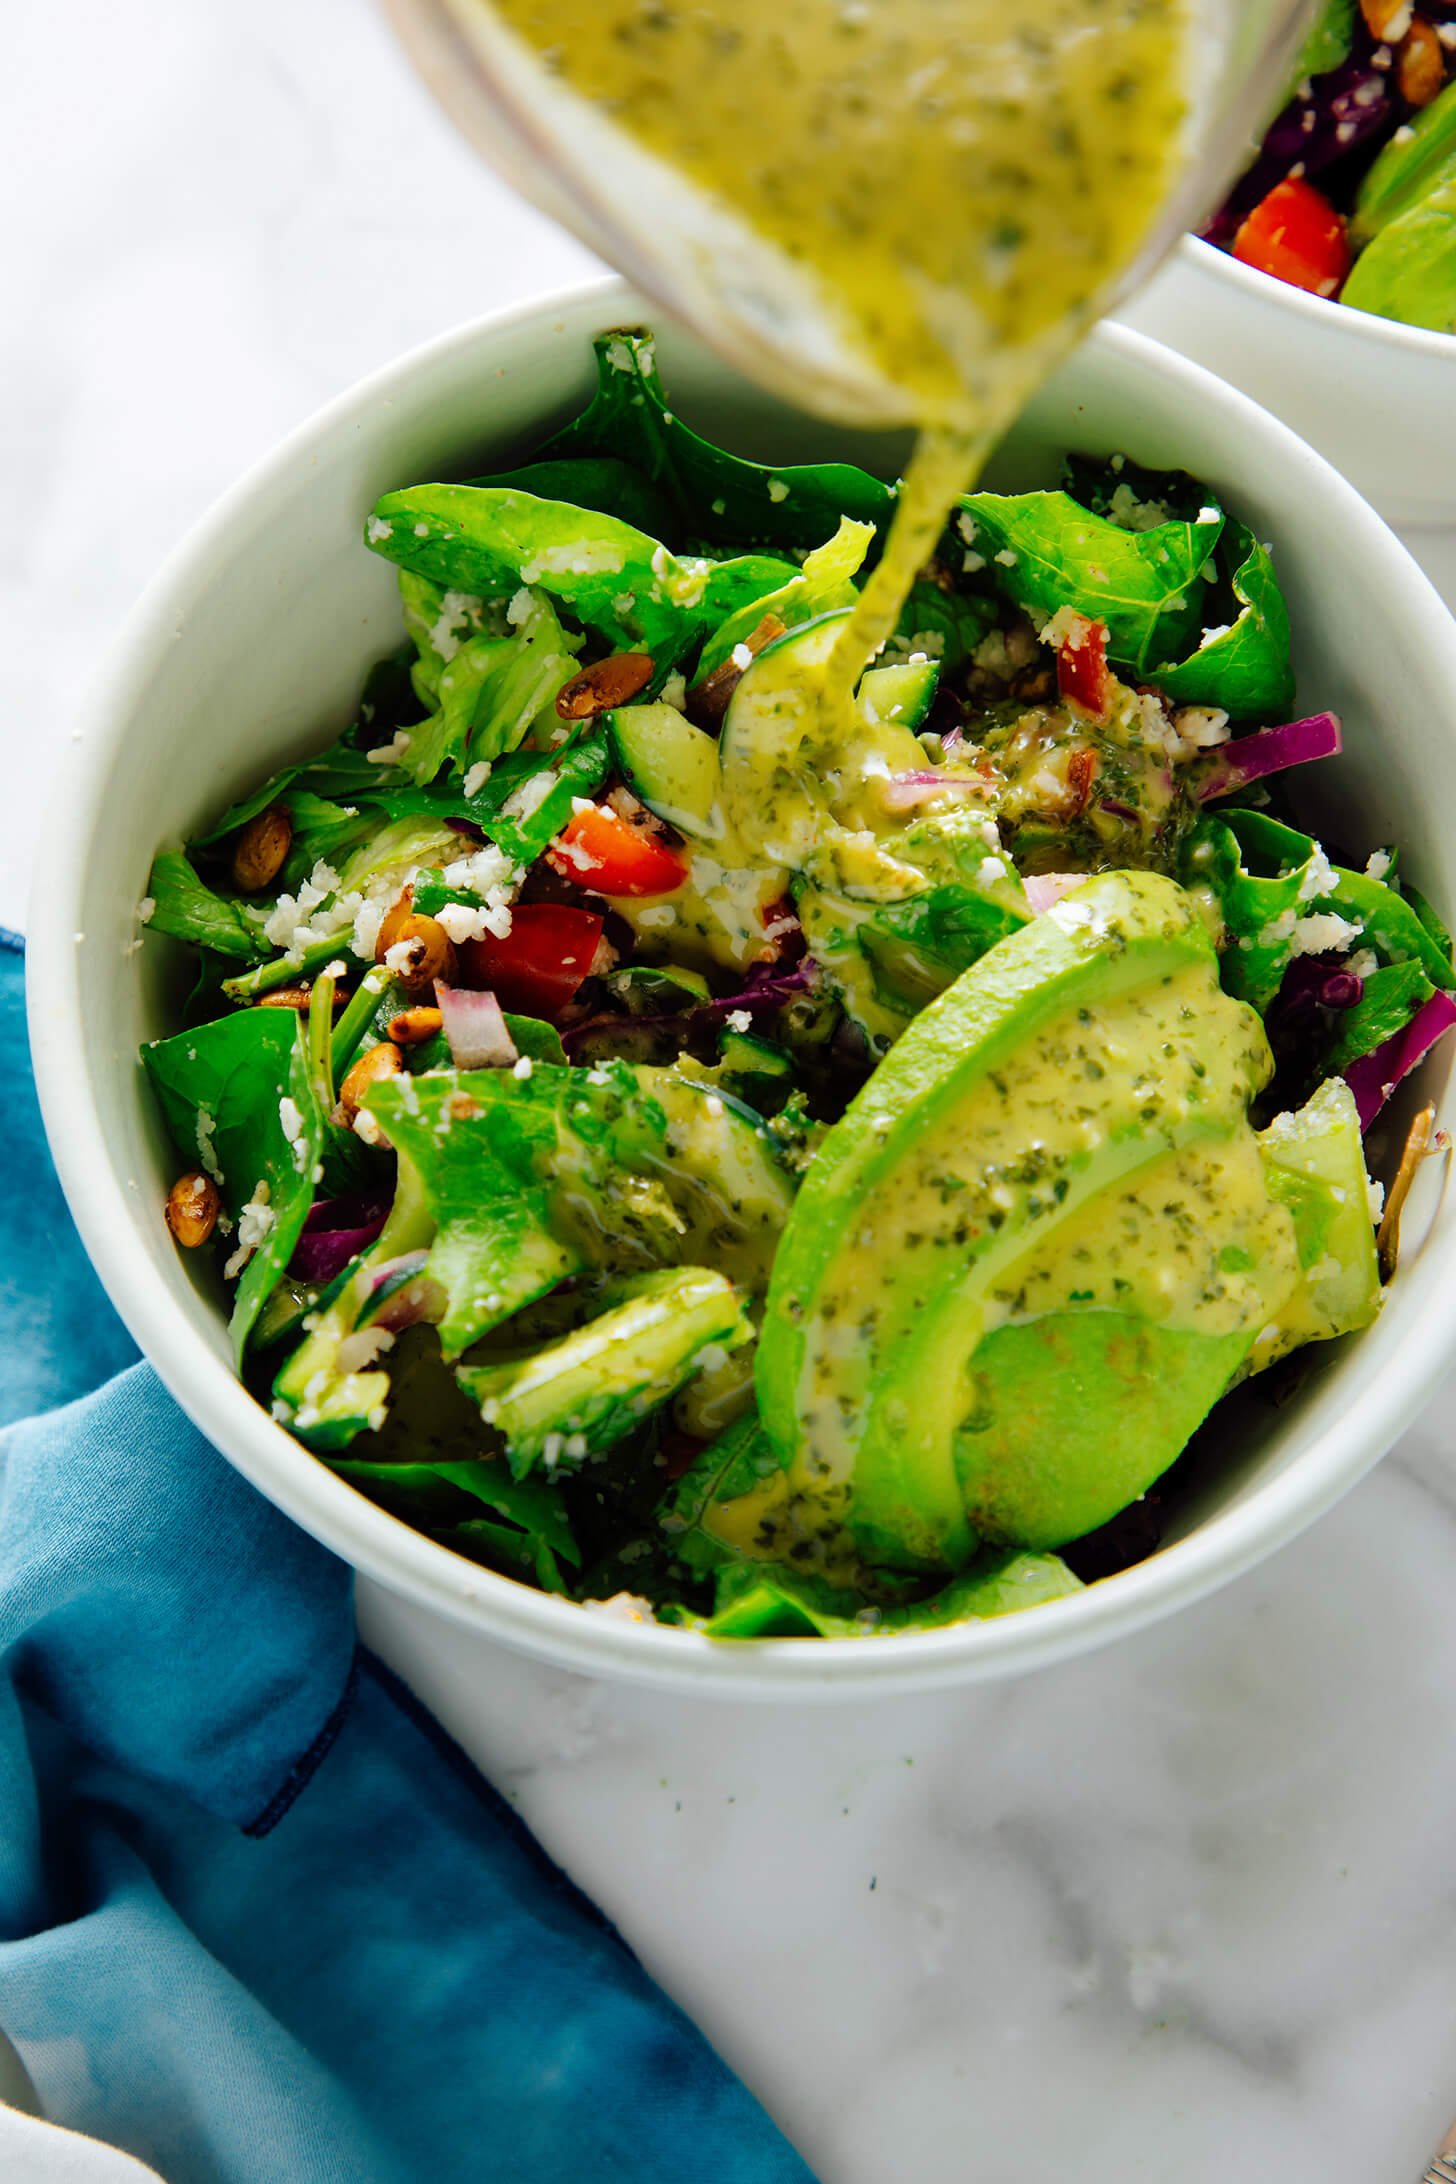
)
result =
(1297, 235)
(537, 968)
(604, 852)
(1083, 677)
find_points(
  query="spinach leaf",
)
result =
(1391, 998)
(1247, 668)
(922, 943)
(484, 1161)
(765, 1600)
(224, 1091)
(740, 1459)
(1409, 271)
(947, 626)
(520, 816)
(824, 582)
(1044, 552)
(714, 494)
(600, 482)
(491, 539)
(187, 908)
(532, 1532)
(1267, 877)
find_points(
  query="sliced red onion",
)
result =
(420, 1298)
(1269, 751)
(475, 1027)
(335, 1231)
(1118, 811)
(396, 1270)
(1375, 1076)
(1045, 888)
(466, 827)
(904, 791)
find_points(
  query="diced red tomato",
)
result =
(604, 852)
(1082, 672)
(1297, 235)
(537, 968)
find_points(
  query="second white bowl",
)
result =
(1378, 399)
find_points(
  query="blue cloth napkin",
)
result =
(261, 1922)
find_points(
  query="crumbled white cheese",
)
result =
(1378, 864)
(377, 530)
(255, 1222)
(476, 777)
(367, 1128)
(626, 1607)
(206, 1131)
(367, 921)
(740, 1019)
(714, 1105)
(777, 490)
(675, 690)
(529, 797)
(1131, 514)
(357, 1352)
(1319, 877)
(742, 657)
(390, 754)
(457, 611)
(146, 909)
(292, 1122)
(522, 1067)
(1323, 934)
(1007, 558)
(462, 921)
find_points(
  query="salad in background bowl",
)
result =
(251, 651)
(1353, 192)
(1325, 285)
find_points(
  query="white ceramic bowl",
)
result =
(1377, 398)
(250, 647)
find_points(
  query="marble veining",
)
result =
(1184, 1908)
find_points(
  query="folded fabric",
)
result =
(260, 1921)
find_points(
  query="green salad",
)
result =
(775, 1171)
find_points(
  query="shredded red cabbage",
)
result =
(1269, 751)
(1375, 1076)
(335, 1231)
(767, 989)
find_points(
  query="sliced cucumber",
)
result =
(671, 765)
(600, 1381)
(741, 1055)
(901, 694)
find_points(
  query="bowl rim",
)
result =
(1326, 314)
(382, 1546)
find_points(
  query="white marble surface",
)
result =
(1186, 1909)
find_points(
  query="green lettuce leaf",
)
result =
(714, 494)
(1044, 551)
(221, 1089)
(1247, 669)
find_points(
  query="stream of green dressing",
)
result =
(961, 178)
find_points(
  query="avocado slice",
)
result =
(1039, 1244)
(1314, 1161)
(581, 1394)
